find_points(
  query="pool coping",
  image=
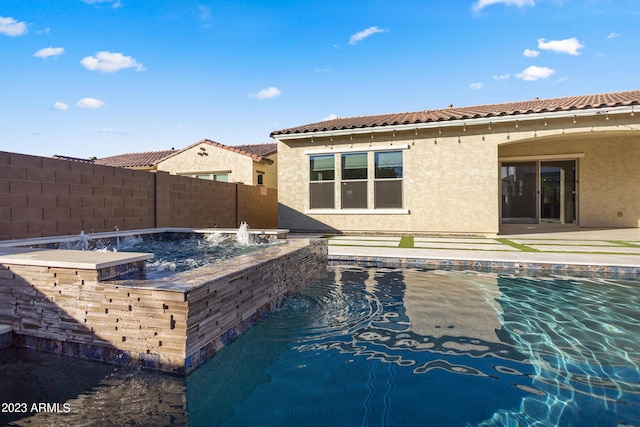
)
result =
(67, 258)
(278, 232)
(609, 265)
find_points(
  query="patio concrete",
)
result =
(550, 247)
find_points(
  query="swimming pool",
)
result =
(400, 347)
(174, 251)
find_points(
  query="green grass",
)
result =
(406, 242)
(625, 244)
(518, 246)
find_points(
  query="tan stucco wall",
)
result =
(242, 168)
(449, 187)
(452, 174)
(270, 172)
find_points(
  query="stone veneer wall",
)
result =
(168, 326)
(223, 308)
(42, 197)
(69, 311)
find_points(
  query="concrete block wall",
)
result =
(258, 206)
(41, 196)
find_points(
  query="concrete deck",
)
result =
(597, 250)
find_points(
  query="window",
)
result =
(260, 179)
(354, 180)
(362, 181)
(321, 182)
(222, 176)
(388, 179)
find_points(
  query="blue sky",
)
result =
(104, 77)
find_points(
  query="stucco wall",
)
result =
(452, 174)
(449, 187)
(270, 172)
(241, 168)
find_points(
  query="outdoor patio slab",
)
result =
(598, 249)
(564, 256)
(478, 246)
(454, 240)
(385, 243)
(364, 238)
(550, 242)
(489, 256)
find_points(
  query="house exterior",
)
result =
(571, 160)
(147, 161)
(253, 164)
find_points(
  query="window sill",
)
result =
(357, 212)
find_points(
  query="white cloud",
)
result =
(502, 77)
(113, 3)
(481, 4)
(270, 92)
(11, 27)
(49, 51)
(364, 34)
(613, 35)
(60, 106)
(530, 53)
(89, 103)
(330, 117)
(534, 73)
(476, 86)
(110, 62)
(569, 46)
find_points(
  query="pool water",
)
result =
(174, 252)
(181, 254)
(398, 347)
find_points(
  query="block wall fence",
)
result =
(41, 196)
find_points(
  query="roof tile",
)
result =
(130, 160)
(569, 103)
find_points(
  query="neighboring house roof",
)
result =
(74, 159)
(132, 160)
(257, 152)
(584, 102)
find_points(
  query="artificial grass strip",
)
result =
(623, 243)
(519, 246)
(406, 242)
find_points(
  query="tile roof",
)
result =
(132, 160)
(74, 159)
(257, 152)
(569, 103)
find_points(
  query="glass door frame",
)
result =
(539, 160)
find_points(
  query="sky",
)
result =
(86, 78)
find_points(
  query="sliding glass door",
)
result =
(535, 192)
